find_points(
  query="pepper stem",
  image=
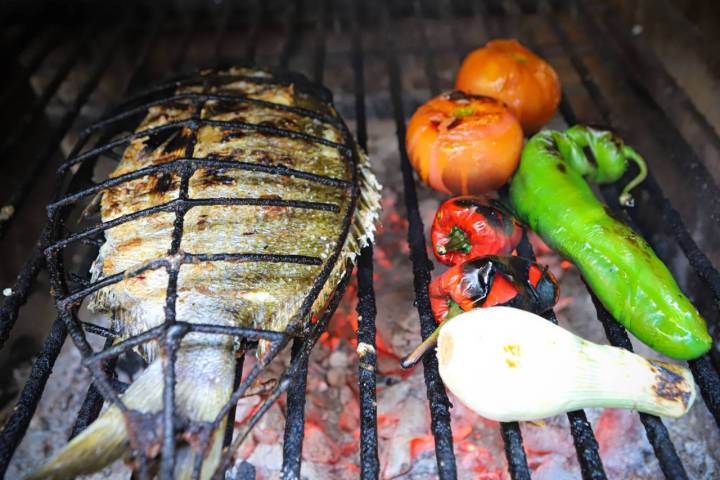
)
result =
(457, 242)
(416, 355)
(453, 310)
(626, 198)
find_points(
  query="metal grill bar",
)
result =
(708, 379)
(293, 37)
(20, 291)
(287, 378)
(38, 106)
(173, 333)
(25, 407)
(17, 424)
(180, 203)
(514, 451)
(295, 417)
(439, 403)
(20, 192)
(97, 330)
(142, 109)
(586, 445)
(53, 41)
(703, 369)
(93, 401)
(177, 165)
(193, 123)
(90, 408)
(366, 308)
(511, 434)
(239, 364)
(258, 12)
(656, 431)
(299, 83)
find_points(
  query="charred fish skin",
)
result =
(270, 241)
(259, 295)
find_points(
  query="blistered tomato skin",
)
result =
(506, 70)
(463, 144)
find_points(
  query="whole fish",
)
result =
(249, 293)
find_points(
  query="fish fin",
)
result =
(368, 210)
(97, 446)
(362, 229)
(204, 379)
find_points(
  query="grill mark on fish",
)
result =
(274, 215)
(153, 142)
(234, 134)
(292, 240)
(214, 177)
(164, 182)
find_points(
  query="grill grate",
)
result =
(171, 332)
(141, 30)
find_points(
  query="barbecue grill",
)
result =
(63, 90)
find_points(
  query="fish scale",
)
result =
(331, 187)
(239, 294)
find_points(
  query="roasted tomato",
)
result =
(506, 70)
(464, 144)
(469, 227)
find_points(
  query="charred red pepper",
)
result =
(491, 280)
(469, 227)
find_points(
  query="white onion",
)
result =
(508, 364)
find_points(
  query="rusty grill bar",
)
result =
(323, 15)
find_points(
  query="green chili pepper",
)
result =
(550, 194)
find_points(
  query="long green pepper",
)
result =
(550, 193)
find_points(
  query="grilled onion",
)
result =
(508, 364)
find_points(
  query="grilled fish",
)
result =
(299, 214)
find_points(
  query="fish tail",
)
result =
(204, 379)
(97, 446)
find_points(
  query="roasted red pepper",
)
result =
(491, 280)
(469, 227)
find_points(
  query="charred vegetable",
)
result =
(468, 227)
(550, 193)
(464, 144)
(533, 369)
(489, 281)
